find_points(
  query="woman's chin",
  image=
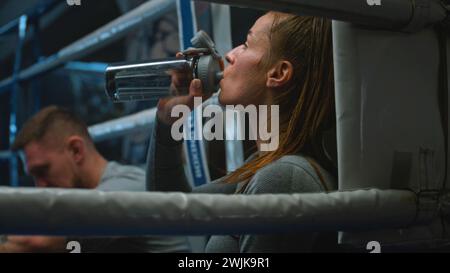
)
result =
(224, 99)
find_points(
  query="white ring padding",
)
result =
(392, 14)
(87, 212)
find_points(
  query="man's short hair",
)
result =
(53, 120)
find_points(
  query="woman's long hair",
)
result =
(307, 106)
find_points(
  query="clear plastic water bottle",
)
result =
(160, 78)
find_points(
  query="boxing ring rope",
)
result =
(85, 212)
(404, 15)
(122, 126)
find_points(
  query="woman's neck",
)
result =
(262, 141)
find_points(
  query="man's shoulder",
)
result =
(125, 170)
(118, 177)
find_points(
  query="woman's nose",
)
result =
(230, 57)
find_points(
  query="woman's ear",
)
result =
(280, 74)
(77, 148)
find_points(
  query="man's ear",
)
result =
(280, 74)
(77, 148)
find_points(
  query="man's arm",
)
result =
(29, 244)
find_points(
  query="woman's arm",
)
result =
(164, 160)
(165, 170)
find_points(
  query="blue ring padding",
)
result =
(196, 159)
(187, 20)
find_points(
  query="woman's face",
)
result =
(244, 80)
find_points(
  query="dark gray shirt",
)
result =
(290, 174)
(117, 177)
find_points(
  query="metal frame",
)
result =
(100, 38)
(14, 99)
(105, 35)
(21, 25)
(34, 13)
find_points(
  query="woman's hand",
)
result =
(166, 105)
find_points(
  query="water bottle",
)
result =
(160, 78)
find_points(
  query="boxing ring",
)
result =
(392, 188)
(87, 212)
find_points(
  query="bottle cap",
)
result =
(209, 72)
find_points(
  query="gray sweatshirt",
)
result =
(117, 177)
(289, 174)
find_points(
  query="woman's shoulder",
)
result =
(290, 164)
(290, 174)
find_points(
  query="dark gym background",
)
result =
(83, 91)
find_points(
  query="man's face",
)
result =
(50, 165)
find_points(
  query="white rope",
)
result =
(88, 212)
